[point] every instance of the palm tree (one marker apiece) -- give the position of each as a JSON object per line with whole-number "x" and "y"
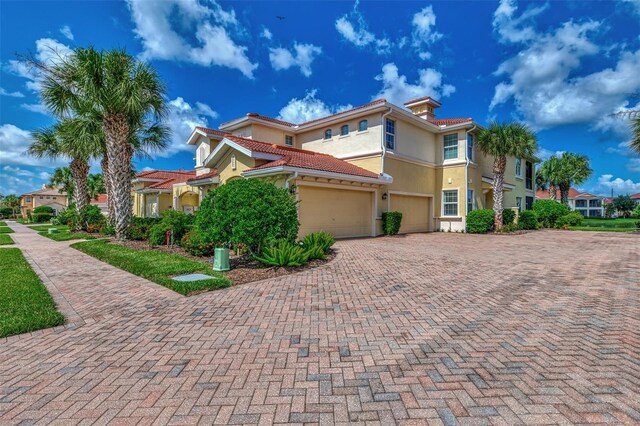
{"x": 574, "y": 170}
{"x": 96, "y": 185}
{"x": 635, "y": 127}
{"x": 502, "y": 140}
{"x": 125, "y": 96}
{"x": 63, "y": 180}
{"x": 12, "y": 201}
{"x": 548, "y": 176}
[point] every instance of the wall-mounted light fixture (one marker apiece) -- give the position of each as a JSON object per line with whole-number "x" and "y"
{"x": 384, "y": 195}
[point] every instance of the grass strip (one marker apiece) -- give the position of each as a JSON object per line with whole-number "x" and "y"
{"x": 47, "y": 227}
{"x": 3, "y": 223}
{"x": 6, "y": 239}
{"x": 156, "y": 266}
{"x": 66, "y": 236}
{"x": 601, "y": 229}
{"x": 25, "y": 304}
{"x": 6, "y": 230}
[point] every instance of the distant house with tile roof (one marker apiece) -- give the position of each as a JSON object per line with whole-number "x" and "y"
{"x": 348, "y": 168}
{"x": 46, "y": 196}
{"x": 589, "y": 205}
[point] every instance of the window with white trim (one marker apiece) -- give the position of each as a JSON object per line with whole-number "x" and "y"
{"x": 450, "y": 146}
{"x": 450, "y": 202}
{"x": 344, "y": 130}
{"x": 469, "y": 200}
{"x": 233, "y": 161}
{"x": 519, "y": 167}
{"x": 470, "y": 146}
{"x": 288, "y": 140}
{"x": 327, "y": 134}
{"x": 390, "y": 134}
{"x": 363, "y": 125}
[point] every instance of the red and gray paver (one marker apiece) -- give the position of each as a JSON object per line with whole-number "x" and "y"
{"x": 541, "y": 328}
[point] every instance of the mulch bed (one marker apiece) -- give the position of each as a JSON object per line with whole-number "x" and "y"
{"x": 243, "y": 268}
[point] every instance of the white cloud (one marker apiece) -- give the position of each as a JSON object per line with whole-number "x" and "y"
{"x": 11, "y": 94}
{"x": 543, "y": 79}
{"x": 635, "y": 4}
{"x": 49, "y": 52}
{"x": 266, "y": 34}
{"x": 302, "y": 57}
{"x": 353, "y": 28}
{"x": 424, "y": 33}
{"x": 606, "y": 183}
{"x": 17, "y": 171}
{"x": 308, "y": 108}
{"x": 66, "y": 31}
{"x": 634, "y": 165}
{"x": 545, "y": 154}
{"x": 212, "y": 26}
{"x": 182, "y": 119}
{"x": 397, "y": 90}
{"x": 14, "y": 143}
{"x": 39, "y": 108}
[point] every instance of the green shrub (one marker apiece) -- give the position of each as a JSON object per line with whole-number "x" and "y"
{"x": 91, "y": 219}
{"x": 391, "y": 222}
{"x": 196, "y": 244}
{"x": 549, "y": 211}
{"x": 510, "y": 227}
{"x": 108, "y": 230}
{"x": 67, "y": 216}
{"x": 322, "y": 239}
{"x": 41, "y": 217}
{"x": 528, "y": 219}
{"x": 636, "y": 211}
{"x": 6, "y": 211}
{"x": 248, "y": 214}
{"x": 43, "y": 209}
{"x": 284, "y": 253}
{"x": 508, "y": 216}
{"x": 480, "y": 221}
{"x": 172, "y": 220}
{"x": 570, "y": 219}
{"x": 140, "y": 226}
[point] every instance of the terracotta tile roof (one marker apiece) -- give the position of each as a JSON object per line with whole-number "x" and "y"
{"x": 449, "y": 121}
{"x": 635, "y": 196}
{"x": 166, "y": 178}
{"x": 46, "y": 191}
{"x": 273, "y": 120}
{"x": 376, "y": 102}
{"x": 212, "y": 131}
{"x": 573, "y": 193}
{"x": 424, "y": 98}
{"x": 208, "y": 175}
{"x": 300, "y": 158}
{"x": 100, "y": 199}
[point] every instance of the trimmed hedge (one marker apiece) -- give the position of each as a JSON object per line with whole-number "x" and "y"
{"x": 570, "y": 219}
{"x": 140, "y": 226}
{"x": 528, "y": 219}
{"x": 480, "y": 221}
{"x": 41, "y": 217}
{"x": 178, "y": 222}
{"x": 508, "y": 216}
{"x": 391, "y": 222}
{"x": 549, "y": 211}
{"x": 43, "y": 209}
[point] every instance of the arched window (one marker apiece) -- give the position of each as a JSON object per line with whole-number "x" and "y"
{"x": 344, "y": 130}
{"x": 327, "y": 134}
{"x": 363, "y": 125}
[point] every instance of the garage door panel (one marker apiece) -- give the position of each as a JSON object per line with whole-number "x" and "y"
{"x": 415, "y": 212}
{"x": 340, "y": 212}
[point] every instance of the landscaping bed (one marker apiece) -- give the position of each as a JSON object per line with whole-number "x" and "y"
{"x": 25, "y": 304}
{"x": 6, "y": 239}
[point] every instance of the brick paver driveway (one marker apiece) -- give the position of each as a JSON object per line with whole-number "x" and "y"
{"x": 542, "y": 328}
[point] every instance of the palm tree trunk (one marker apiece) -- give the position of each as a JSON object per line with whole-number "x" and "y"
{"x": 80, "y": 172}
{"x": 108, "y": 188}
{"x": 499, "y": 165}
{"x": 552, "y": 192}
{"x": 119, "y": 152}
{"x": 564, "y": 194}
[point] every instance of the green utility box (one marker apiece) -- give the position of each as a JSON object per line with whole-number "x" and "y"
{"x": 221, "y": 259}
{"x": 52, "y": 230}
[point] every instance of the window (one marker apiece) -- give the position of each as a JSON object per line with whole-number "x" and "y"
{"x": 48, "y": 197}
{"x": 28, "y": 200}
{"x": 202, "y": 156}
{"x": 584, "y": 213}
{"x": 470, "y": 147}
{"x": 344, "y": 130}
{"x": 450, "y": 202}
{"x": 233, "y": 161}
{"x": 519, "y": 203}
{"x": 363, "y": 125}
{"x": 451, "y": 146}
{"x": 41, "y": 197}
{"x": 288, "y": 140}
{"x": 581, "y": 203}
{"x": 595, "y": 213}
{"x": 327, "y": 134}
{"x": 528, "y": 203}
{"x": 390, "y": 134}
{"x": 528, "y": 167}
{"x": 469, "y": 200}
{"x": 595, "y": 203}
{"x": 518, "y": 167}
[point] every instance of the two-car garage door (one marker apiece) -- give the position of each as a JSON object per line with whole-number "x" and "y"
{"x": 415, "y": 212}
{"x": 340, "y": 212}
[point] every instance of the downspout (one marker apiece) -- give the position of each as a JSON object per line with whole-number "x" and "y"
{"x": 466, "y": 171}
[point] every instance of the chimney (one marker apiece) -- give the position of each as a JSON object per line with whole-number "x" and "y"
{"x": 424, "y": 107}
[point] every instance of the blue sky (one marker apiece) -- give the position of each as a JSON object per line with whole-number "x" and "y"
{"x": 561, "y": 67}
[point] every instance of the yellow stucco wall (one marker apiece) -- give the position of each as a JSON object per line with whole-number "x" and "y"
{"x": 372, "y": 164}
{"x": 414, "y": 142}
{"x": 225, "y": 168}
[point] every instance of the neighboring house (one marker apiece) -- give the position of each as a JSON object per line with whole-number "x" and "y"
{"x": 636, "y": 197}
{"x": 587, "y": 204}
{"x": 348, "y": 168}
{"x": 155, "y": 191}
{"x": 101, "y": 202}
{"x": 51, "y": 197}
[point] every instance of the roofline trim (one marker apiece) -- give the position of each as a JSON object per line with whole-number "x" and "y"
{"x": 380, "y": 180}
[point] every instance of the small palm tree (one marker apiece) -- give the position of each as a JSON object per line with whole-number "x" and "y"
{"x": 96, "y": 185}
{"x": 548, "y": 176}
{"x": 502, "y": 140}
{"x": 63, "y": 180}
{"x": 123, "y": 94}
{"x": 574, "y": 170}
{"x": 12, "y": 201}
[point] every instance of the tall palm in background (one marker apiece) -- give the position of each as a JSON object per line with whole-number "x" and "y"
{"x": 122, "y": 94}
{"x": 548, "y": 176}
{"x": 63, "y": 180}
{"x": 502, "y": 140}
{"x": 635, "y": 127}
{"x": 96, "y": 185}
{"x": 574, "y": 170}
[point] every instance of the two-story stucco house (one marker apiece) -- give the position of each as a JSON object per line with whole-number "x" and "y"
{"x": 587, "y": 204}
{"x": 348, "y": 168}
{"x": 46, "y": 196}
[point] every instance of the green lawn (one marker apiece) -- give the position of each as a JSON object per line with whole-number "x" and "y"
{"x": 22, "y": 221}
{"x": 66, "y": 235}
{"x": 5, "y": 239}
{"x": 601, "y": 229}
{"x": 25, "y": 304}
{"x": 609, "y": 223}
{"x": 3, "y": 223}
{"x": 6, "y": 230}
{"x": 156, "y": 266}
{"x": 47, "y": 227}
